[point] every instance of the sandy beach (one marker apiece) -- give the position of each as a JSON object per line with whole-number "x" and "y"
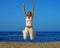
{"x": 29, "y": 45}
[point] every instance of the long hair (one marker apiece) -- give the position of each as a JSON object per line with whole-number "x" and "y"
{"x": 30, "y": 13}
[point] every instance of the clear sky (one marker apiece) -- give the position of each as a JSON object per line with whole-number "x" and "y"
{"x": 46, "y": 15}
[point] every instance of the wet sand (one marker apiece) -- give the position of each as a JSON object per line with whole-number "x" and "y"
{"x": 29, "y": 45}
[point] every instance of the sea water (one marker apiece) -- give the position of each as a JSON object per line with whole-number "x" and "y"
{"x": 15, "y": 36}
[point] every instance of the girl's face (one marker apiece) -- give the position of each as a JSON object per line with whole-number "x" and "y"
{"x": 29, "y": 14}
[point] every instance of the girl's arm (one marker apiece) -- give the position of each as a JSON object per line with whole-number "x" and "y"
{"x": 32, "y": 9}
{"x": 23, "y": 9}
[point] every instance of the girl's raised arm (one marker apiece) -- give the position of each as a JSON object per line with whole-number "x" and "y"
{"x": 23, "y": 9}
{"x": 32, "y": 9}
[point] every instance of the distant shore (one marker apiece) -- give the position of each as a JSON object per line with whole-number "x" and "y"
{"x": 29, "y": 45}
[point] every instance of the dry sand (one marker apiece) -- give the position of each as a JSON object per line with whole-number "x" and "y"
{"x": 29, "y": 45}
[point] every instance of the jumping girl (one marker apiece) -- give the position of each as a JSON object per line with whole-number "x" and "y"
{"x": 28, "y": 27}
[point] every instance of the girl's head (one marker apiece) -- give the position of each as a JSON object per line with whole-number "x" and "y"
{"x": 29, "y": 14}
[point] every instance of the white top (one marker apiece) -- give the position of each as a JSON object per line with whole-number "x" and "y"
{"x": 28, "y": 21}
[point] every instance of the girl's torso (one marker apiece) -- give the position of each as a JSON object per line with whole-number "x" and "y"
{"x": 29, "y": 22}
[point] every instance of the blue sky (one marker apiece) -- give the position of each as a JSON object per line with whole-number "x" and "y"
{"x": 46, "y": 15}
